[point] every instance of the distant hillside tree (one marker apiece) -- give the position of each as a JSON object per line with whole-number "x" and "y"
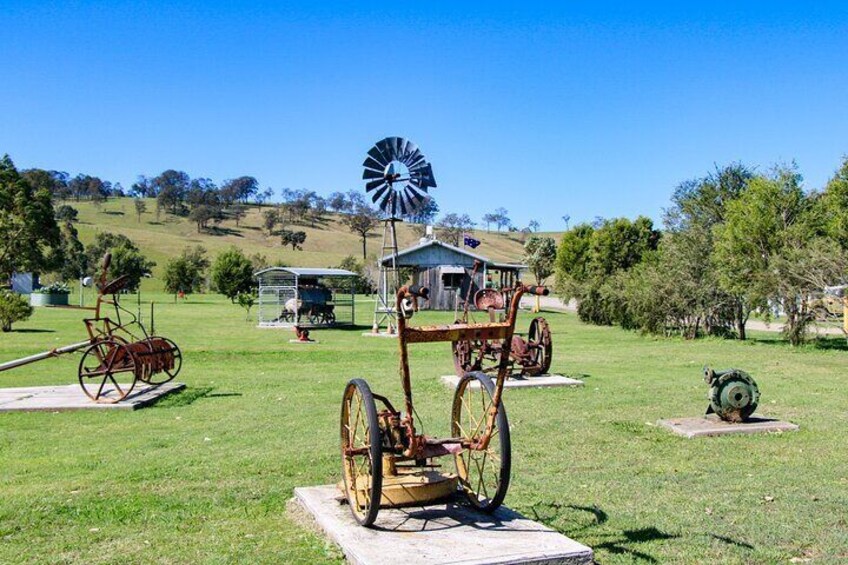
{"x": 294, "y": 238}
{"x": 452, "y": 226}
{"x": 65, "y": 213}
{"x": 172, "y": 189}
{"x": 55, "y": 182}
{"x": 362, "y": 222}
{"x": 140, "y": 208}
{"x": 240, "y": 189}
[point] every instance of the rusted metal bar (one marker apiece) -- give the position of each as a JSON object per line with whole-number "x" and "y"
{"x": 45, "y": 355}
{"x": 457, "y": 332}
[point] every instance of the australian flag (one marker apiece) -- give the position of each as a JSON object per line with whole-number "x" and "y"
{"x": 470, "y": 241}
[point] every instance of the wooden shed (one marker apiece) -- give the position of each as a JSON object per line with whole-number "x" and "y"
{"x": 446, "y": 271}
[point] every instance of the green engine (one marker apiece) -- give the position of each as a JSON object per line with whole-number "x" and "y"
{"x": 733, "y": 394}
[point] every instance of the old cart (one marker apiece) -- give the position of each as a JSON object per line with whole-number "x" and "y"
{"x": 532, "y": 355}
{"x": 387, "y": 462}
{"x": 119, "y": 352}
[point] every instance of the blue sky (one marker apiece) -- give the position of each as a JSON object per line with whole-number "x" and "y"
{"x": 580, "y": 108}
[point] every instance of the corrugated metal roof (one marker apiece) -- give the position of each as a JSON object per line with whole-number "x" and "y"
{"x": 433, "y": 242}
{"x": 308, "y": 272}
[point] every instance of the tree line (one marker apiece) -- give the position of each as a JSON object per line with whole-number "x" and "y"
{"x": 735, "y": 242}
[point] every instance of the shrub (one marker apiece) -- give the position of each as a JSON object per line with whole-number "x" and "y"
{"x": 53, "y": 288}
{"x": 13, "y": 308}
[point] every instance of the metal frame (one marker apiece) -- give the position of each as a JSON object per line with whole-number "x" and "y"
{"x": 285, "y": 286}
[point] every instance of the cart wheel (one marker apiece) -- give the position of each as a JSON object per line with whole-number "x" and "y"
{"x": 362, "y": 460}
{"x": 462, "y": 357}
{"x": 541, "y": 347}
{"x": 483, "y": 474}
{"x": 107, "y": 371}
{"x": 166, "y": 375}
{"x": 330, "y": 318}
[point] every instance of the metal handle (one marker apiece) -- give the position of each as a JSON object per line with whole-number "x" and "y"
{"x": 537, "y": 290}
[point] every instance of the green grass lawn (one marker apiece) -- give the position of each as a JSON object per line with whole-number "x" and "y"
{"x": 204, "y": 476}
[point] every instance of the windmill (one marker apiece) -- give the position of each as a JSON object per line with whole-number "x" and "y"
{"x": 398, "y": 178}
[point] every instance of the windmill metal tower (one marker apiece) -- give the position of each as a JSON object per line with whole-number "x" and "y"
{"x": 398, "y": 178}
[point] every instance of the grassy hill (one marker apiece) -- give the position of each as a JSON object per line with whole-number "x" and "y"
{"x": 326, "y": 244}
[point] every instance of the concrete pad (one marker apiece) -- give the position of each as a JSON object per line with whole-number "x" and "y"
{"x": 381, "y": 334}
{"x": 71, "y": 397}
{"x": 311, "y": 342}
{"x": 712, "y": 425}
{"x": 439, "y": 533}
{"x": 517, "y": 381}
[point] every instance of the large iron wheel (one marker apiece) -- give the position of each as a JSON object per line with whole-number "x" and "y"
{"x": 483, "y": 473}
{"x": 540, "y": 344}
{"x": 166, "y": 375}
{"x": 108, "y": 371}
{"x": 362, "y": 461}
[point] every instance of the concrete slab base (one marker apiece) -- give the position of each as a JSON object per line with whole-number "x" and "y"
{"x": 372, "y": 334}
{"x": 439, "y": 533}
{"x": 71, "y": 397}
{"x": 714, "y": 426}
{"x": 313, "y": 342}
{"x": 517, "y": 381}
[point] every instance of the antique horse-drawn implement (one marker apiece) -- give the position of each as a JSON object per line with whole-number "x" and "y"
{"x": 117, "y": 353}
{"x": 386, "y": 461}
{"x": 531, "y": 355}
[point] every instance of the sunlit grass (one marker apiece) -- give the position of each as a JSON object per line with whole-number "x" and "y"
{"x": 204, "y": 476}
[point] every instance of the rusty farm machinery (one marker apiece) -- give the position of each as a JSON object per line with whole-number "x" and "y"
{"x": 386, "y": 461}
{"x": 119, "y": 352}
{"x": 531, "y": 355}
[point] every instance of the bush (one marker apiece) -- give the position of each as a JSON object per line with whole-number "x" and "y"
{"x": 53, "y": 288}
{"x": 13, "y": 308}
{"x": 232, "y": 273}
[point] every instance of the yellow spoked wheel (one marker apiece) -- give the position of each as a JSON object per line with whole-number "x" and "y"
{"x": 483, "y": 473}
{"x": 362, "y": 462}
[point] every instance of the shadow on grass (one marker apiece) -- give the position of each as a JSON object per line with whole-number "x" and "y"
{"x": 833, "y": 343}
{"x": 188, "y": 396}
{"x": 33, "y": 331}
{"x": 617, "y": 543}
{"x": 219, "y": 231}
{"x": 113, "y": 212}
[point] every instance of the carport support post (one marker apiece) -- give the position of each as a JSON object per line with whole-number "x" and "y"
{"x": 845, "y": 313}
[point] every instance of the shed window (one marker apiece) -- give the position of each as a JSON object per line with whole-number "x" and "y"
{"x": 452, "y": 280}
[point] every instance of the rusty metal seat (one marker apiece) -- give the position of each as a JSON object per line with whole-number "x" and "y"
{"x": 486, "y": 298}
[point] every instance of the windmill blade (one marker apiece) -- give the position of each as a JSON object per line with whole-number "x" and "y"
{"x": 389, "y": 147}
{"x": 370, "y": 163}
{"x": 397, "y": 146}
{"x": 374, "y": 184}
{"x": 381, "y": 194}
{"x": 414, "y": 160}
{"x": 409, "y": 149}
{"x": 372, "y": 174}
{"x": 414, "y": 199}
{"x": 378, "y": 156}
{"x": 419, "y": 194}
